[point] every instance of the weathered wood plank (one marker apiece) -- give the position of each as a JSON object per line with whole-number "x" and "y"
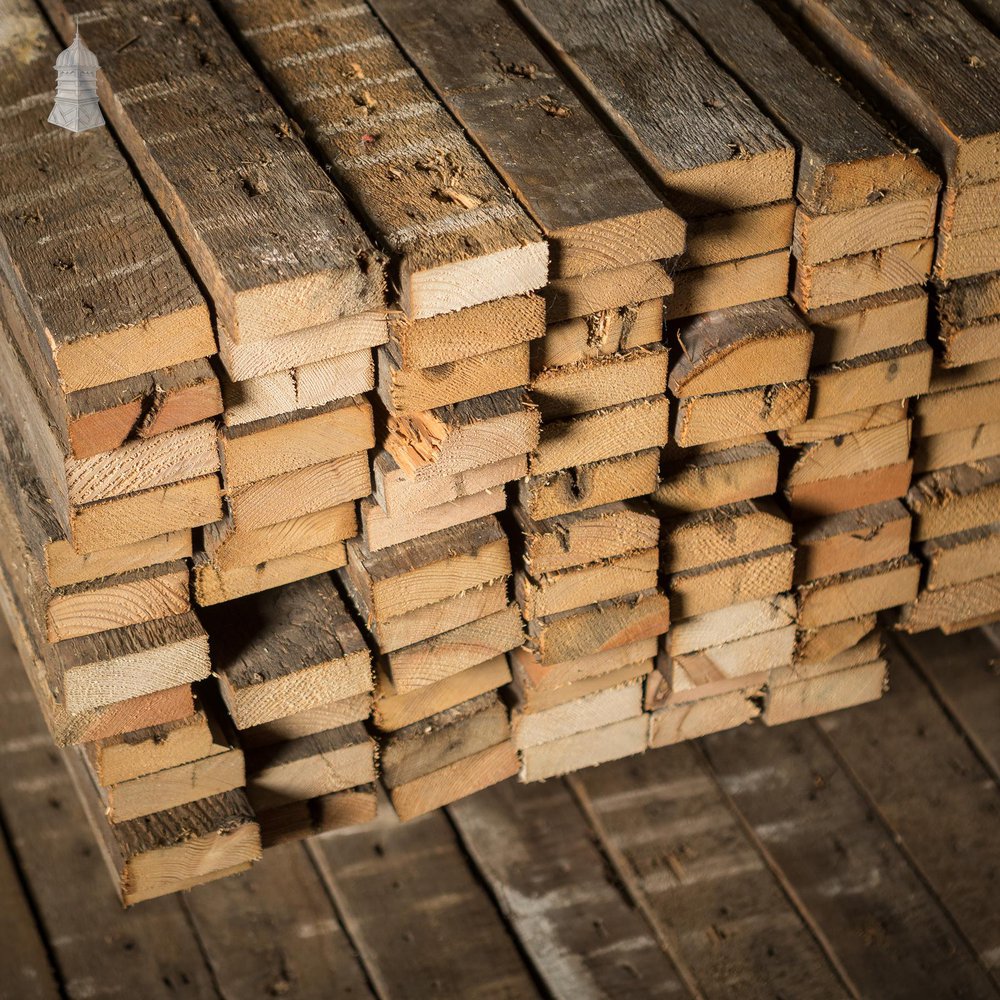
{"x": 935, "y": 796}
{"x": 105, "y": 294}
{"x": 573, "y": 919}
{"x": 229, "y": 200}
{"x": 691, "y": 122}
{"x": 458, "y": 236}
{"x": 595, "y": 208}
{"x": 418, "y": 915}
{"x": 673, "y": 841}
{"x": 888, "y": 935}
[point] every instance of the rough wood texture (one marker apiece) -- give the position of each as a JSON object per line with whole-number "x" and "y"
{"x": 540, "y": 685}
{"x": 735, "y": 621}
{"x": 585, "y": 537}
{"x": 732, "y": 283}
{"x": 626, "y": 738}
{"x": 850, "y": 453}
{"x": 730, "y": 532}
{"x": 447, "y": 653}
{"x": 732, "y": 236}
{"x": 457, "y": 234}
{"x": 261, "y": 274}
{"x": 692, "y": 123}
{"x": 955, "y": 499}
{"x": 852, "y": 539}
{"x": 591, "y": 485}
{"x": 953, "y": 606}
{"x": 468, "y": 333}
{"x": 98, "y": 309}
{"x": 717, "y": 479}
{"x": 602, "y": 333}
{"x": 454, "y": 781}
{"x": 850, "y": 329}
{"x": 824, "y": 497}
{"x": 962, "y": 557}
{"x": 762, "y": 343}
{"x": 596, "y": 383}
{"x": 593, "y": 206}
{"x": 572, "y": 298}
{"x": 726, "y": 416}
{"x": 858, "y": 592}
{"x": 918, "y": 58}
{"x": 602, "y": 708}
{"x": 429, "y": 568}
{"x": 848, "y": 160}
{"x": 282, "y": 652}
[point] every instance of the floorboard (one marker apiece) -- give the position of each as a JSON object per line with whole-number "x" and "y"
{"x": 272, "y": 932}
{"x": 933, "y": 792}
{"x": 884, "y": 928}
{"x": 963, "y": 671}
{"x": 701, "y": 881}
{"x": 537, "y": 852}
{"x": 25, "y": 970}
{"x": 421, "y": 920}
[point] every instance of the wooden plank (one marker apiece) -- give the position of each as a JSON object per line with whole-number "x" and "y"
{"x": 837, "y": 424}
{"x": 81, "y": 917}
{"x": 475, "y": 330}
{"x": 952, "y": 607}
{"x": 882, "y": 322}
{"x": 761, "y": 343}
{"x": 843, "y": 871}
{"x": 458, "y": 235}
{"x": 964, "y": 556}
{"x": 602, "y": 434}
{"x": 732, "y": 581}
{"x": 533, "y": 678}
{"x": 536, "y": 851}
{"x": 591, "y": 485}
{"x": 450, "y": 652}
{"x": 265, "y": 278}
{"x": 401, "y": 891}
{"x": 289, "y": 942}
{"x": 862, "y": 275}
{"x": 577, "y": 715}
{"x": 407, "y": 389}
{"x": 585, "y": 537}
{"x": 871, "y": 380}
{"x": 858, "y": 592}
{"x": 538, "y": 135}
{"x": 730, "y": 532}
{"x": 854, "y": 538}
{"x": 730, "y": 236}
{"x": 845, "y": 153}
{"x": 716, "y": 479}
{"x": 671, "y": 838}
{"x": 584, "y": 750}
{"x": 290, "y": 650}
{"x": 454, "y": 781}
{"x": 958, "y": 113}
{"x": 25, "y": 964}
{"x": 90, "y": 322}
{"x": 954, "y": 409}
{"x": 954, "y": 499}
{"x": 602, "y": 333}
{"x": 735, "y": 621}
{"x": 596, "y": 383}
{"x": 649, "y": 76}
{"x": 826, "y": 497}
{"x": 850, "y": 454}
{"x": 726, "y": 416}
{"x": 959, "y": 670}
{"x": 430, "y": 568}
{"x": 925, "y": 783}
{"x": 571, "y": 298}
{"x": 732, "y": 283}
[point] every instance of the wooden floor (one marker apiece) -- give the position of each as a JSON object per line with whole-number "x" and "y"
{"x": 857, "y": 855}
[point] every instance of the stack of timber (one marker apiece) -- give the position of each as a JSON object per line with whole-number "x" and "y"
{"x": 586, "y": 576}
{"x": 430, "y": 574}
{"x": 938, "y": 67}
{"x": 295, "y": 286}
{"x": 864, "y": 224}
{"x": 108, "y": 460}
{"x": 295, "y": 676}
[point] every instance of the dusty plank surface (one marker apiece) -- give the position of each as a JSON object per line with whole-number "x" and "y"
{"x": 417, "y": 914}
{"x": 698, "y": 130}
